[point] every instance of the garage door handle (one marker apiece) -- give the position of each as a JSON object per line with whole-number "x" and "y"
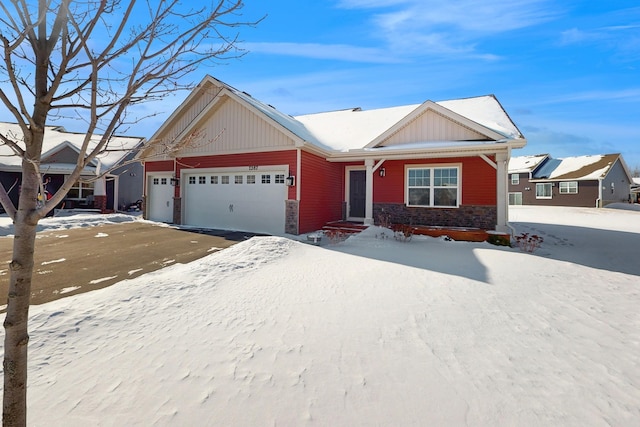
{"x": 231, "y": 207}
{"x": 167, "y": 203}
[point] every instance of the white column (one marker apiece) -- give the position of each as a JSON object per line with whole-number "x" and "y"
{"x": 100, "y": 187}
{"x": 503, "y": 198}
{"x": 368, "y": 207}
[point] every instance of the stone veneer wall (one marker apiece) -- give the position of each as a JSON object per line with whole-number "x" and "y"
{"x": 177, "y": 210}
{"x": 482, "y": 217}
{"x": 292, "y": 208}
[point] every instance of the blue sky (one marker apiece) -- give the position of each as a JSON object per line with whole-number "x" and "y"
{"x": 567, "y": 72}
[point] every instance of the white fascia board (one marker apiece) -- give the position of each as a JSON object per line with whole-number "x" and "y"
{"x": 416, "y": 154}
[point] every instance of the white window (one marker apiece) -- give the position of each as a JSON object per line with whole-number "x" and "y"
{"x": 280, "y": 179}
{"x": 266, "y": 179}
{"x": 192, "y": 180}
{"x": 543, "y": 190}
{"x": 515, "y": 178}
{"x": 225, "y": 179}
{"x": 515, "y": 198}
{"x": 433, "y": 186}
{"x": 238, "y": 179}
{"x": 80, "y": 190}
{"x": 163, "y": 181}
{"x": 570, "y": 187}
{"x": 202, "y": 180}
{"x": 251, "y": 179}
{"x": 214, "y": 179}
{"x": 156, "y": 181}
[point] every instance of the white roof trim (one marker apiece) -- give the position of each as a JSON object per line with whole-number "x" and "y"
{"x": 430, "y": 105}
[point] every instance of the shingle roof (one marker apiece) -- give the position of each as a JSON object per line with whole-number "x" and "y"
{"x": 57, "y": 137}
{"x": 577, "y": 168}
{"x": 522, "y": 164}
{"x": 354, "y": 128}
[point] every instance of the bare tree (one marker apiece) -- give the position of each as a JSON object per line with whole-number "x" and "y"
{"x": 89, "y": 60}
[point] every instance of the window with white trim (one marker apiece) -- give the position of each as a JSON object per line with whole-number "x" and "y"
{"x": 202, "y": 180}
{"x": 238, "y": 179}
{"x": 266, "y": 179}
{"x": 156, "y": 181}
{"x": 251, "y": 179}
{"x": 569, "y": 187}
{"x": 543, "y": 190}
{"x": 192, "y": 180}
{"x": 214, "y": 179}
{"x": 515, "y": 178}
{"x": 163, "y": 181}
{"x": 225, "y": 179}
{"x": 80, "y": 190}
{"x": 279, "y": 178}
{"x": 433, "y": 186}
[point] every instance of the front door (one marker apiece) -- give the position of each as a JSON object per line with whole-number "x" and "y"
{"x": 357, "y": 193}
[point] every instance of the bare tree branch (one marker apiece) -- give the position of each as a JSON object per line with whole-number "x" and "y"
{"x": 90, "y": 61}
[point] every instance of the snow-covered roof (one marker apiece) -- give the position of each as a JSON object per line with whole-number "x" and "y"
{"x": 522, "y": 164}
{"x": 57, "y": 138}
{"x": 355, "y": 128}
{"x": 578, "y": 168}
{"x": 486, "y": 111}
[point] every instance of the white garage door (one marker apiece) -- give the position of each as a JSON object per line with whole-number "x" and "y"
{"x": 236, "y": 200}
{"x": 160, "y": 198}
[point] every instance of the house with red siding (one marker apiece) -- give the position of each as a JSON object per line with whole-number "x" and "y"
{"x": 226, "y": 160}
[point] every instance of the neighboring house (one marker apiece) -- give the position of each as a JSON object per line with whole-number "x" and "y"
{"x": 587, "y": 181}
{"x": 225, "y": 160}
{"x": 635, "y": 190}
{"x": 521, "y": 170}
{"x": 119, "y": 183}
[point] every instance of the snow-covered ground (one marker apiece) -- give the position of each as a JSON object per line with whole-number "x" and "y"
{"x": 371, "y": 331}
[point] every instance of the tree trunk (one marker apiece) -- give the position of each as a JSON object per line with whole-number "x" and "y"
{"x": 16, "y": 321}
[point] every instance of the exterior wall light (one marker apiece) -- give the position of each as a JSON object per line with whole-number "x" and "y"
{"x": 175, "y": 182}
{"x": 382, "y": 172}
{"x": 290, "y": 181}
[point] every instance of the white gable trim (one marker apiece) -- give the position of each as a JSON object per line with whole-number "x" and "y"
{"x": 430, "y": 105}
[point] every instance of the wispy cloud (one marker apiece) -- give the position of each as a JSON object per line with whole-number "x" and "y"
{"x": 575, "y": 35}
{"x": 340, "y": 52}
{"x": 449, "y": 28}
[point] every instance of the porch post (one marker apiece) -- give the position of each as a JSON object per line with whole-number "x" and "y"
{"x": 501, "y": 186}
{"x": 100, "y": 194}
{"x": 368, "y": 205}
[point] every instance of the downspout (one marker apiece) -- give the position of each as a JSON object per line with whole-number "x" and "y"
{"x": 298, "y": 172}
{"x": 599, "y": 199}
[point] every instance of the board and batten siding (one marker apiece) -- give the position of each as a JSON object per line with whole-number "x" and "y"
{"x": 432, "y": 126}
{"x": 321, "y": 192}
{"x": 233, "y": 128}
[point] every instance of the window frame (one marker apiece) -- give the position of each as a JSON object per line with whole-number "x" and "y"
{"x": 550, "y": 185}
{"x": 515, "y": 181}
{"x": 82, "y": 190}
{"x": 567, "y": 187}
{"x": 432, "y": 187}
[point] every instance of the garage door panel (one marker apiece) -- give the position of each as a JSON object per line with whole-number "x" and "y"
{"x": 238, "y": 204}
{"x": 160, "y": 198}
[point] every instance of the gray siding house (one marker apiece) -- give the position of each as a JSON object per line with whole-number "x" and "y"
{"x": 587, "y": 181}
